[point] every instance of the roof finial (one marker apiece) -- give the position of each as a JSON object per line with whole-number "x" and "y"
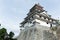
{"x": 38, "y": 3}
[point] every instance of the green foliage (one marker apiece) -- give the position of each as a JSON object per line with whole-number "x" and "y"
{"x": 54, "y": 28}
{"x": 11, "y": 34}
{"x": 2, "y": 33}
{"x": 5, "y": 36}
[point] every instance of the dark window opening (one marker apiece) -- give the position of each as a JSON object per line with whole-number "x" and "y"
{"x": 47, "y": 22}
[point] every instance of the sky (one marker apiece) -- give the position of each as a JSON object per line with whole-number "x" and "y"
{"x": 13, "y": 12}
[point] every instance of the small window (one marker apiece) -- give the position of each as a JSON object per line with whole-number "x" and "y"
{"x": 32, "y": 16}
{"x": 40, "y": 16}
{"x": 44, "y": 18}
{"x": 47, "y": 22}
{"x": 34, "y": 22}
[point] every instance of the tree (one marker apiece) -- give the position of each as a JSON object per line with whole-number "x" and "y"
{"x": 2, "y": 33}
{"x": 5, "y": 36}
{"x": 11, "y": 34}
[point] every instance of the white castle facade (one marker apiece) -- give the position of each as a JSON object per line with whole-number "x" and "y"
{"x": 38, "y": 25}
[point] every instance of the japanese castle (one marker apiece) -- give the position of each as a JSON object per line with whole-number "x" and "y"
{"x": 38, "y": 25}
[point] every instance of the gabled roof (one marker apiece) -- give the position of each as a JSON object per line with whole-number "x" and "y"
{"x": 36, "y": 6}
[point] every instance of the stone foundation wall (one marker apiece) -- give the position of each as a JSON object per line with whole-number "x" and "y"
{"x": 37, "y": 33}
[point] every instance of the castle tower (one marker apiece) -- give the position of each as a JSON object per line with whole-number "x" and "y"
{"x": 39, "y": 15}
{"x": 37, "y": 25}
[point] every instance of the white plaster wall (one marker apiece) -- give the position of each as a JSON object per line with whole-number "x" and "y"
{"x": 42, "y": 23}
{"x": 39, "y": 21}
{"x": 28, "y": 24}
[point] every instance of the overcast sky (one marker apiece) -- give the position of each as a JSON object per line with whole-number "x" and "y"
{"x": 12, "y": 12}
